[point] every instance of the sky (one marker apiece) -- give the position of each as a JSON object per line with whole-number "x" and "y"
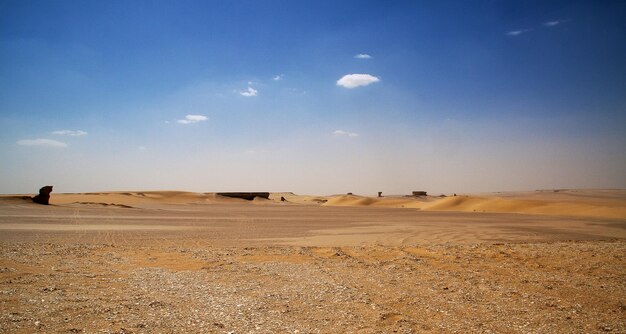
{"x": 314, "y": 97}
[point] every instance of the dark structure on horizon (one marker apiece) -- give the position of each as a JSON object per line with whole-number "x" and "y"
{"x": 246, "y": 196}
{"x": 44, "y": 195}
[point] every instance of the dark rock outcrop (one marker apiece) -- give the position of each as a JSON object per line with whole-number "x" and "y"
{"x": 44, "y": 195}
{"x": 419, "y": 193}
{"x": 246, "y": 196}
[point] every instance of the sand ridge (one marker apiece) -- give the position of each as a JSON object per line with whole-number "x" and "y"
{"x": 583, "y": 203}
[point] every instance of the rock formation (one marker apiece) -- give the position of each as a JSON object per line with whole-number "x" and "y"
{"x": 246, "y": 196}
{"x": 44, "y": 195}
{"x": 419, "y": 193}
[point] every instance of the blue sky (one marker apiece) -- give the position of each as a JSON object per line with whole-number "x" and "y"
{"x": 459, "y": 96}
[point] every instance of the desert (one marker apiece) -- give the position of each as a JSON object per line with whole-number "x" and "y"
{"x": 230, "y": 167}
{"x": 173, "y": 262}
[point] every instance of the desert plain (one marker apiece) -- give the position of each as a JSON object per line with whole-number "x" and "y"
{"x": 549, "y": 261}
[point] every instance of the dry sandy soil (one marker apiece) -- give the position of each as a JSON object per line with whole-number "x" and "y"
{"x": 178, "y": 262}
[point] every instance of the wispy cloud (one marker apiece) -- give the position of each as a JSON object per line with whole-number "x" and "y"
{"x": 249, "y": 92}
{"x": 72, "y": 133}
{"x": 518, "y": 32}
{"x": 555, "y": 23}
{"x": 190, "y": 119}
{"x": 363, "y": 56}
{"x": 278, "y": 77}
{"x": 345, "y": 133}
{"x": 356, "y": 80}
{"x": 42, "y": 143}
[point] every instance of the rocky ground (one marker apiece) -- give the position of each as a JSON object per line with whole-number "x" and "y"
{"x": 549, "y": 287}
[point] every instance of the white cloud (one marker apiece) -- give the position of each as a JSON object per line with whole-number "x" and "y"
{"x": 189, "y": 119}
{"x": 554, "y": 23}
{"x": 518, "y": 32}
{"x": 356, "y": 80}
{"x": 249, "y": 92}
{"x": 278, "y": 77}
{"x": 41, "y": 142}
{"x": 363, "y": 56}
{"x": 345, "y": 133}
{"x": 73, "y": 133}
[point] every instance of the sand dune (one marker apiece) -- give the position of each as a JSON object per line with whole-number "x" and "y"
{"x": 583, "y": 203}
{"x": 145, "y": 198}
{"x": 387, "y": 202}
{"x": 566, "y": 207}
{"x": 342, "y": 220}
{"x": 579, "y": 203}
{"x": 298, "y": 199}
{"x": 133, "y": 199}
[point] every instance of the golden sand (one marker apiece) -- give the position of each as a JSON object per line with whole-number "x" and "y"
{"x": 168, "y": 261}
